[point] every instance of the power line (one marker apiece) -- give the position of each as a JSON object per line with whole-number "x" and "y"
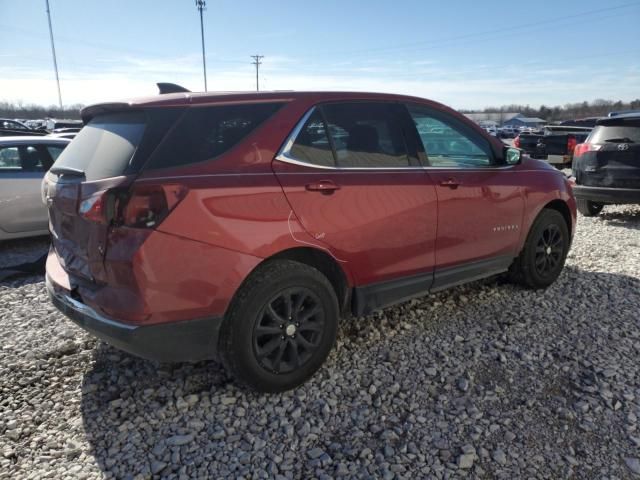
{"x": 201, "y": 5}
{"x": 257, "y": 63}
{"x": 53, "y": 51}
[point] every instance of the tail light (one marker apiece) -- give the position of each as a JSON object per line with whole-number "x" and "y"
{"x": 516, "y": 142}
{"x": 571, "y": 144}
{"x": 145, "y": 206}
{"x": 583, "y": 148}
{"x": 148, "y": 205}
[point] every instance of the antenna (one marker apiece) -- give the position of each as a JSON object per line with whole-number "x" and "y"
{"x": 53, "y": 51}
{"x": 257, "y": 63}
{"x": 201, "y": 5}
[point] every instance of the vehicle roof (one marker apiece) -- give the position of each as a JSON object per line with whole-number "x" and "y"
{"x": 31, "y": 139}
{"x": 619, "y": 119}
{"x": 203, "y": 98}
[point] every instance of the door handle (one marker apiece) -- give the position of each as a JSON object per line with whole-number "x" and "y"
{"x": 450, "y": 182}
{"x": 326, "y": 187}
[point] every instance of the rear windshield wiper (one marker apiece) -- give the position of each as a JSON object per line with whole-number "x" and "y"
{"x": 72, "y": 172}
{"x": 619, "y": 140}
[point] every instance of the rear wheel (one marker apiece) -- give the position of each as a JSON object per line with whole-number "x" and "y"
{"x": 281, "y": 326}
{"x": 544, "y": 253}
{"x": 589, "y": 208}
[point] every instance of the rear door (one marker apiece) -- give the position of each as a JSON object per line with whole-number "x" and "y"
{"x": 617, "y": 160}
{"x": 480, "y": 203}
{"x": 353, "y": 179}
{"x": 21, "y": 170}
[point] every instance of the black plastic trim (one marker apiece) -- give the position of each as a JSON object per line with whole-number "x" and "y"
{"x": 607, "y": 194}
{"x": 185, "y": 341}
{"x": 369, "y": 298}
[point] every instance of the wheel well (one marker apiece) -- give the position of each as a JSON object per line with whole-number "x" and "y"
{"x": 324, "y": 263}
{"x": 562, "y": 208}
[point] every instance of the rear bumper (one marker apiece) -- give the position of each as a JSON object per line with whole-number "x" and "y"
{"x": 607, "y": 194}
{"x": 184, "y": 341}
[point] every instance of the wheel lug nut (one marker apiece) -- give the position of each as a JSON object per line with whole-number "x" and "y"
{"x": 281, "y": 326}
{"x": 297, "y": 324}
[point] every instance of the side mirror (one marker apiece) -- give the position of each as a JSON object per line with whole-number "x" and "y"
{"x": 512, "y": 156}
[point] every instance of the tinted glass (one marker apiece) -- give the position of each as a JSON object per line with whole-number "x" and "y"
{"x": 207, "y": 132}
{"x": 615, "y": 134}
{"x": 447, "y": 142}
{"x": 366, "y": 135}
{"x": 312, "y": 143}
{"x": 54, "y": 151}
{"x": 10, "y": 159}
{"x": 105, "y": 146}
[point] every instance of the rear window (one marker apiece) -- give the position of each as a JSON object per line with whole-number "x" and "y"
{"x": 615, "y": 134}
{"x": 204, "y": 133}
{"x": 105, "y": 146}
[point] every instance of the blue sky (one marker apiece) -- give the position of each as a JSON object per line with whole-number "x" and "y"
{"x": 468, "y": 54}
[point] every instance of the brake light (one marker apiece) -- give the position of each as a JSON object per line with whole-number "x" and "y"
{"x": 583, "y": 148}
{"x": 516, "y": 142}
{"x": 94, "y": 207}
{"x": 148, "y": 205}
{"x": 571, "y": 144}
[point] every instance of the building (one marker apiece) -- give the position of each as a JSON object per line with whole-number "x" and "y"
{"x": 531, "y": 122}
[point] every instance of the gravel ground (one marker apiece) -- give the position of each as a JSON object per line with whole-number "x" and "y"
{"x": 483, "y": 381}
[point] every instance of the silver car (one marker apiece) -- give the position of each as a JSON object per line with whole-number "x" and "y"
{"x": 23, "y": 162}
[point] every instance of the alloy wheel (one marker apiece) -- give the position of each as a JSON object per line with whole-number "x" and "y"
{"x": 549, "y": 250}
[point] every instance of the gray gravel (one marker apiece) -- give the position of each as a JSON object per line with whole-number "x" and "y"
{"x": 483, "y": 381}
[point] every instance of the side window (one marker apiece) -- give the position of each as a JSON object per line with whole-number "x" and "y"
{"x": 32, "y": 159}
{"x": 207, "y": 132}
{"x": 449, "y": 143}
{"x": 312, "y": 143}
{"x": 366, "y": 135}
{"x": 54, "y": 151}
{"x": 9, "y": 159}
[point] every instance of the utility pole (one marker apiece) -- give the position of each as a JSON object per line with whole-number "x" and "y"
{"x": 257, "y": 63}
{"x": 201, "y": 5}
{"x": 53, "y": 51}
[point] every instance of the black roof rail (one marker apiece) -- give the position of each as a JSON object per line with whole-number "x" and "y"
{"x": 170, "y": 88}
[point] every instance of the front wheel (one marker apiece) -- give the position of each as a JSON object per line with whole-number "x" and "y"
{"x": 589, "y": 208}
{"x": 281, "y": 326}
{"x": 544, "y": 253}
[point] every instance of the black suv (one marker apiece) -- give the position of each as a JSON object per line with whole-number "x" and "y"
{"x": 607, "y": 165}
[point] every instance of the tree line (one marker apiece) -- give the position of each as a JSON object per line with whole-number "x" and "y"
{"x": 569, "y": 111}
{"x": 34, "y": 112}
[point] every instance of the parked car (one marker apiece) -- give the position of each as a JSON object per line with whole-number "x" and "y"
{"x": 12, "y": 128}
{"x": 23, "y": 162}
{"x": 508, "y": 131}
{"x": 555, "y": 143}
{"x": 607, "y": 165}
{"x": 245, "y": 225}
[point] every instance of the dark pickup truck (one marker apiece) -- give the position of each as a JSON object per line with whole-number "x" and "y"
{"x": 554, "y": 143}
{"x": 607, "y": 165}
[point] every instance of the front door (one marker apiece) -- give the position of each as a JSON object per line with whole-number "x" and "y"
{"x": 480, "y": 204}
{"x": 355, "y": 184}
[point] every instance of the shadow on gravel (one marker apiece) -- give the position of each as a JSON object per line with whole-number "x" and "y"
{"x": 628, "y": 218}
{"x": 133, "y": 409}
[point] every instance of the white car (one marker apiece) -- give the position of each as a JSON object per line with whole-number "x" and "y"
{"x": 23, "y": 163}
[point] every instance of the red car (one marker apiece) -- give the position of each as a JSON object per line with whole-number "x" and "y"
{"x": 243, "y": 226}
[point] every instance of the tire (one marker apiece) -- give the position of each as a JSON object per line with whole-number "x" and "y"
{"x": 544, "y": 253}
{"x": 269, "y": 343}
{"x": 589, "y": 208}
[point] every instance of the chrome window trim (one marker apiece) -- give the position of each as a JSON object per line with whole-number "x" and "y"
{"x": 284, "y": 155}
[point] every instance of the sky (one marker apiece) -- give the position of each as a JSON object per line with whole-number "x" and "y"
{"x": 467, "y": 54}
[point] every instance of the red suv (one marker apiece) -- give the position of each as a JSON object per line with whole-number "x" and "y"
{"x": 243, "y": 226}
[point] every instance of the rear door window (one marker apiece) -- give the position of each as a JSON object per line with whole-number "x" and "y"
{"x": 25, "y": 158}
{"x": 312, "y": 143}
{"x": 366, "y": 135}
{"x": 204, "y": 133}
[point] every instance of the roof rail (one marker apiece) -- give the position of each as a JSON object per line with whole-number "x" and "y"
{"x": 170, "y": 88}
